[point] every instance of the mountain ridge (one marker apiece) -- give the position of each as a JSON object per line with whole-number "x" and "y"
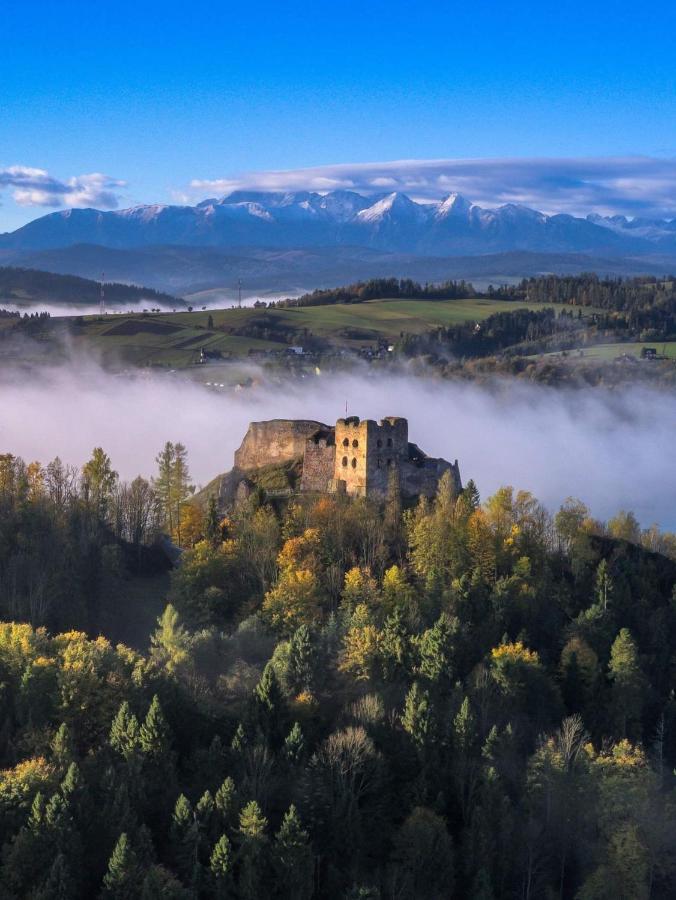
{"x": 391, "y": 222}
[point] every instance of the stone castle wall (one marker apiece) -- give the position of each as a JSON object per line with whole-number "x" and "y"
{"x": 274, "y": 442}
{"x": 366, "y": 451}
{"x": 360, "y": 458}
{"x": 318, "y": 465}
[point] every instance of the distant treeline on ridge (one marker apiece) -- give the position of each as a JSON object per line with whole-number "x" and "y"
{"x": 587, "y": 289}
{"x": 33, "y": 285}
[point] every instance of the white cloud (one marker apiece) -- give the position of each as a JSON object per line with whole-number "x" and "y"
{"x": 631, "y": 185}
{"x": 36, "y": 187}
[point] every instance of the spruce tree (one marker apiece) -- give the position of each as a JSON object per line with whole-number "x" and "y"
{"x": 302, "y": 661}
{"x": 294, "y": 745}
{"x": 269, "y": 706}
{"x": 158, "y": 765}
{"x": 293, "y": 859}
{"x": 121, "y": 880}
{"x": 124, "y": 737}
{"x": 155, "y": 735}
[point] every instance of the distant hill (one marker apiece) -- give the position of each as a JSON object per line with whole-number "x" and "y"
{"x": 22, "y": 285}
{"x": 187, "y": 270}
{"x": 388, "y": 222}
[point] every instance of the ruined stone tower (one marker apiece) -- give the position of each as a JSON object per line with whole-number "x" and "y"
{"x": 361, "y": 458}
{"x": 367, "y": 452}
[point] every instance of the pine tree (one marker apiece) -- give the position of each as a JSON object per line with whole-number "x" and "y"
{"x": 465, "y": 765}
{"x": 293, "y": 858}
{"x": 73, "y": 788}
{"x": 220, "y": 867}
{"x": 212, "y": 525}
{"x": 239, "y": 739}
{"x": 225, "y": 803}
{"x": 124, "y": 735}
{"x": 628, "y": 684}
{"x": 62, "y": 747}
{"x": 155, "y": 736}
{"x": 417, "y": 718}
{"x": 121, "y": 880}
{"x": 252, "y": 828}
{"x": 604, "y": 585}
{"x": 60, "y": 884}
{"x": 435, "y": 650}
{"x": 269, "y": 706}
{"x": 184, "y": 836}
{"x": 394, "y": 648}
{"x": 294, "y": 745}
{"x": 160, "y": 884}
{"x": 181, "y": 487}
{"x": 472, "y": 493}
{"x": 158, "y": 765}
{"x": 98, "y": 483}
{"x": 302, "y": 661}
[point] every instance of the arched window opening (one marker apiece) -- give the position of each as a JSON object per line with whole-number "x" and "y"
{"x": 345, "y": 460}
{"x": 389, "y": 463}
{"x": 346, "y": 442}
{"x": 379, "y": 443}
{"x": 355, "y": 443}
{"x": 354, "y": 463}
{"x": 389, "y": 442}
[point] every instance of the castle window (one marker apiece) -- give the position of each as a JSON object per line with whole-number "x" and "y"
{"x": 389, "y": 442}
{"x": 346, "y": 442}
{"x": 355, "y": 443}
{"x": 389, "y": 463}
{"x": 354, "y": 463}
{"x": 345, "y": 460}
{"x": 379, "y": 442}
{"x": 379, "y": 462}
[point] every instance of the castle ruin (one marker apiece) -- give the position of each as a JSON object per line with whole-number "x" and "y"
{"x": 357, "y": 457}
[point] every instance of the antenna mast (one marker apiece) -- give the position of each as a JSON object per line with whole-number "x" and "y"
{"x": 102, "y": 302}
{"x": 239, "y": 293}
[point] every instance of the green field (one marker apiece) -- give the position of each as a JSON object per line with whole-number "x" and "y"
{"x": 612, "y": 351}
{"x": 175, "y": 339}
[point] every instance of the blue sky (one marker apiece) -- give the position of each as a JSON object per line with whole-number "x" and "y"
{"x": 162, "y": 95}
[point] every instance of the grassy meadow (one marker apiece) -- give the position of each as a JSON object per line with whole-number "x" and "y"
{"x": 175, "y": 339}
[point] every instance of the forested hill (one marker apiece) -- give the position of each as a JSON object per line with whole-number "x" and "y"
{"x": 34, "y": 286}
{"x": 586, "y": 289}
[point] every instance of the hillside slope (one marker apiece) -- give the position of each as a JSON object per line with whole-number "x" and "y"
{"x": 22, "y": 286}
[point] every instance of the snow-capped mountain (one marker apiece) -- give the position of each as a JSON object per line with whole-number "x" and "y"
{"x": 390, "y": 222}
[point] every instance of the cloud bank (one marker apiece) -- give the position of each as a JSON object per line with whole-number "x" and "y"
{"x": 634, "y": 185}
{"x": 613, "y": 451}
{"x": 36, "y": 187}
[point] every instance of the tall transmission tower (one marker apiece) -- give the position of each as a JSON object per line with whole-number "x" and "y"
{"x": 102, "y": 301}
{"x": 239, "y": 293}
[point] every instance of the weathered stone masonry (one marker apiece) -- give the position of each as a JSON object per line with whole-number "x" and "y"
{"x": 355, "y": 457}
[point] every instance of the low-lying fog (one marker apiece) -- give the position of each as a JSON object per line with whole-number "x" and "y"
{"x": 611, "y": 450}
{"x": 213, "y": 299}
